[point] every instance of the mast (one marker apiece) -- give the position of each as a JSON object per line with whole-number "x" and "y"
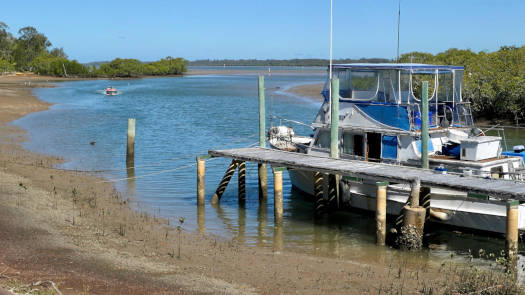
{"x": 330, "y": 69}
{"x": 398, "y": 26}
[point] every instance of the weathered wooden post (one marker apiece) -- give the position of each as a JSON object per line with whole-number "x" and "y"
{"x": 224, "y": 182}
{"x": 201, "y": 183}
{"x": 130, "y": 150}
{"x": 263, "y": 172}
{"x": 414, "y": 193}
{"x": 334, "y": 118}
{"x": 511, "y": 241}
{"x": 424, "y": 125}
{"x": 413, "y": 220}
{"x": 278, "y": 194}
{"x": 241, "y": 178}
{"x": 334, "y": 140}
{"x": 381, "y": 213}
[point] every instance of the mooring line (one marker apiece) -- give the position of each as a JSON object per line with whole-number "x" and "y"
{"x": 151, "y": 164}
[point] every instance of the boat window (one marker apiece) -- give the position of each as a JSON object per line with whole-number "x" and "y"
{"x": 359, "y": 141}
{"x": 358, "y": 84}
{"x": 445, "y": 86}
{"x": 458, "y": 79}
{"x": 323, "y": 139}
{"x": 388, "y": 86}
{"x": 348, "y": 143}
{"x": 353, "y": 144}
{"x": 405, "y": 86}
{"x": 418, "y": 78}
{"x": 345, "y": 83}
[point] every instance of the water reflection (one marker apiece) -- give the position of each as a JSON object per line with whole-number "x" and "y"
{"x": 241, "y": 221}
{"x": 227, "y": 221}
{"x": 130, "y": 174}
{"x": 278, "y": 237}
{"x": 262, "y": 212}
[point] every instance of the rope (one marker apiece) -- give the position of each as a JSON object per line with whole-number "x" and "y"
{"x": 152, "y": 164}
{"x": 292, "y": 121}
{"x": 162, "y": 171}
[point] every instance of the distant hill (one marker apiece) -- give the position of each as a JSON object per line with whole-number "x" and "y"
{"x": 281, "y": 62}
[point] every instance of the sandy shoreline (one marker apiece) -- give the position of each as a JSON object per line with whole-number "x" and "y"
{"x": 311, "y": 91}
{"x": 72, "y": 229}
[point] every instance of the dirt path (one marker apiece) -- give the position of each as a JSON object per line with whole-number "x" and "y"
{"x": 71, "y": 229}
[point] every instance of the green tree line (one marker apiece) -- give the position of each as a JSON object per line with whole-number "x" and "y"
{"x": 305, "y": 62}
{"x": 32, "y": 51}
{"x": 494, "y": 82}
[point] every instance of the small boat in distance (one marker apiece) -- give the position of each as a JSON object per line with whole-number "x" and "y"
{"x": 110, "y": 90}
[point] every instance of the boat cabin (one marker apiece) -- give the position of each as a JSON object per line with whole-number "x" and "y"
{"x": 380, "y": 118}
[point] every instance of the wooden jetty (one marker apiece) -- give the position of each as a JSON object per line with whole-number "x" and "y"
{"x": 497, "y": 188}
{"x": 510, "y": 191}
{"x": 420, "y": 179}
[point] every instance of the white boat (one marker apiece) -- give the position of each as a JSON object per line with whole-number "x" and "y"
{"x": 380, "y": 121}
{"x": 110, "y": 91}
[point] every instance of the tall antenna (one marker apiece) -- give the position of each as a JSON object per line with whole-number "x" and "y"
{"x": 330, "y": 70}
{"x": 398, "y": 23}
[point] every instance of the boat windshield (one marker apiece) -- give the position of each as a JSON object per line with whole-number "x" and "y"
{"x": 398, "y": 86}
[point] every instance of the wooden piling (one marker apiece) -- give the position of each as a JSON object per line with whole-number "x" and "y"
{"x": 334, "y": 119}
{"x": 263, "y": 172}
{"x": 318, "y": 193}
{"x": 381, "y": 213}
{"x": 263, "y": 182}
{"x": 278, "y": 194}
{"x": 224, "y": 182}
{"x": 511, "y": 241}
{"x": 241, "y": 178}
{"x": 201, "y": 184}
{"x": 415, "y": 216}
{"x": 332, "y": 191}
{"x": 414, "y": 194}
{"x": 130, "y": 150}
{"x": 262, "y": 114}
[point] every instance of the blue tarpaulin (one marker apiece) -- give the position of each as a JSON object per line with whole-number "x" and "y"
{"x": 389, "y": 150}
{"x": 391, "y": 115}
{"x": 514, "y": 154}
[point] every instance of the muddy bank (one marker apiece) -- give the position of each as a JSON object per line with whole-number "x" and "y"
{"x": 74, "y": 229}
{"x": 312, "y": 91}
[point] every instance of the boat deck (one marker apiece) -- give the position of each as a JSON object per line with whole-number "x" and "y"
{"x": 497, "y": 188}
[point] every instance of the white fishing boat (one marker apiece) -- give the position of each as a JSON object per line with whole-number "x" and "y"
{"x": 380, "y": 121}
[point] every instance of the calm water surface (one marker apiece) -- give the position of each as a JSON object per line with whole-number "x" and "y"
{"x": 179, "y": 118}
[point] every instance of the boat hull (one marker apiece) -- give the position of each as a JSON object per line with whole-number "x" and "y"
{"x": 448, "y": 207}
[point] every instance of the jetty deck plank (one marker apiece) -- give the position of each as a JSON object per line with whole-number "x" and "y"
{"x": 497, "y": 188}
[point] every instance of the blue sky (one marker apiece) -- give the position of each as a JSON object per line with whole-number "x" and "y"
{"x": 148, "y": 30}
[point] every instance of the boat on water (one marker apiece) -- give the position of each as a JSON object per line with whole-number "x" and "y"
{"x": 110, "y": 90}
{"x": 380, "y": 121}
